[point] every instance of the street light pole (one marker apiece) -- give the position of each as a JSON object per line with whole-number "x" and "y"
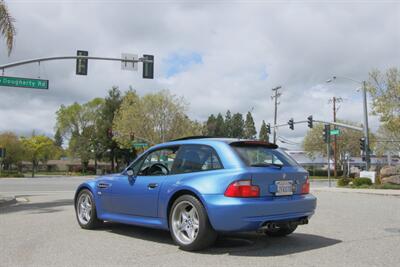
{"x": 366, "y": 128}
{"x": 365, "y": 109}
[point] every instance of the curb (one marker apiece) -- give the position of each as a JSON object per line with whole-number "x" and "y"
{"x": 382, "y": 192}
{"x": 6, "y": 201}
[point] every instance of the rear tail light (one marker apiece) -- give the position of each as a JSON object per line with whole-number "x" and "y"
{"x": 242, "y": 188}
{"x": 305, "y": 188}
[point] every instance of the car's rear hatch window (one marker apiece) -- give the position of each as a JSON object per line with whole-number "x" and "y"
{"x": 270, "y": 168}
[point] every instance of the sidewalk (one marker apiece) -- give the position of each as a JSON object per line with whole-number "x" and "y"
{"x": 385, "y": 192}
{"x": 7, "y": 200}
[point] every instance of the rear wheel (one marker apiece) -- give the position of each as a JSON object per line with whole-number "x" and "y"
{"x": 189, "y": 225}
{"x": 281, "y": 230}
{"x": 85, "y": 209}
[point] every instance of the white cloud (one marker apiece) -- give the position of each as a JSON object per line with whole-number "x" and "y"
{"x": 298, "y": 44}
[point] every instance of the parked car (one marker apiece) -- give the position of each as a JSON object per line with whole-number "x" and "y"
{"x": 199, "y": 187}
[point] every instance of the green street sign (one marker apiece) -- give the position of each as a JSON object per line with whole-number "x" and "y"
{"x": 24, "y": 82}
{"x": 335, "y": 132}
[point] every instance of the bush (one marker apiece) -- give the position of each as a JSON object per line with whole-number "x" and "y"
{"x": 362, "y": 181}
{"x": 343, "y": 181}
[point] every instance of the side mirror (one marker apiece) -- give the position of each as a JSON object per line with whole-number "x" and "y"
{"x": 130, "y": 173}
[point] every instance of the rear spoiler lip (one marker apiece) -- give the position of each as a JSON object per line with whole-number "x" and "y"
{"x": 254, "y": 143}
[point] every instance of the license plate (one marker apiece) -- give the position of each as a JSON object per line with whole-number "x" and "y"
{"x": 284, "y": 188}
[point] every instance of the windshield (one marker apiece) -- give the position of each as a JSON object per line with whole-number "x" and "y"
{"x": 260, "y": 156}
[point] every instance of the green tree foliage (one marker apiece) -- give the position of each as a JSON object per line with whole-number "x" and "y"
{"x": 250, "y": 131}
{"x": 14, "y": 149}
{"x": 219, "y": 126}
{"x": 385, "y": 92}
{"x": 153, "y": 118}
{"x": 211, "y": 125}
{"x": 81, "y": 125}
{"x": 107, "y": 114}
{"x": 237, "y": 125}
{"x": 263, "y": 132}
{"x": 228, "y": 124}
{"x": 37, "y": 149}
{"x": 58, "y": 139}
{"x": 7, "y": 28}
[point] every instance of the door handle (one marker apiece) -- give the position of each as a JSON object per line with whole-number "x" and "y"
{"x": 103, "y": 185}
{"x": 152, "y": 185}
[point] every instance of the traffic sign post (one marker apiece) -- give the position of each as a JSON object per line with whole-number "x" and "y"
{"x": 24, "y": 82}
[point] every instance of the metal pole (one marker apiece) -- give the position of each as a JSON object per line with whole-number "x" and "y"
{"x": 276, "y": 109}
{"x": 366, "y": 130}
{"x": 329, "y": 164}
{"x": 334, "y": 138}
{"x": 19, "y": 63}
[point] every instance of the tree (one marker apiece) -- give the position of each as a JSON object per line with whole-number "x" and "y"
{"x": 228, "y": 124}
{"x": 58, "y": 140}
{"x": 154, "y": 118}
{"x": 211, "y": 125}
{"x": 219, "y": 126}
{"x": 37, "y": 149}
{"x": 388, "y": 141}
{"x": 385, "y": 92}
{"x": 107, "y": 114}
{"x": 264, "y": 132}
{"x": 80, "y": 124}
{"x": 7, "y": 27}
{"x": 250, "y": 131}
{"x": 14, "y": 151}
{"x": 237, "y": 125}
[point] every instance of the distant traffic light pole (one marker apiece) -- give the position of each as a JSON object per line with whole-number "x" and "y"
{"x": 366, "y": 130}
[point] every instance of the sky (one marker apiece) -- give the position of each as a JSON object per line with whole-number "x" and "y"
{"x": 218, "y": 55}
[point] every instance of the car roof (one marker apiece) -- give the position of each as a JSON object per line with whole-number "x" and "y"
{"x": 215, "y": 140}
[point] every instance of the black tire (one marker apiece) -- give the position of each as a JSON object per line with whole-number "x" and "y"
{"x": 206, "y": 235}
{"x": 93, "y": 222}
{"x": 283, "y": 230}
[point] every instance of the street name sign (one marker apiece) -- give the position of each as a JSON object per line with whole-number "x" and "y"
{"x": 335, "y": 132}
{"x": 24, "y": 82}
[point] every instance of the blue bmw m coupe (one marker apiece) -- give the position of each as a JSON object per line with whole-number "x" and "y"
{"x": 199, "y": 187}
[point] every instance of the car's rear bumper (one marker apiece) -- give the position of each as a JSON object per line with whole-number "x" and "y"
{"x": 247, "y": 214}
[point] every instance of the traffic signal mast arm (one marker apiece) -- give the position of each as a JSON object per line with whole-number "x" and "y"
{"x": 325, "y": 122}
{"x": 24, "y": 62}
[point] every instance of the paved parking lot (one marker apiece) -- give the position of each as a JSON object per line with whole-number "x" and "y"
{"x": 348, "y": 229}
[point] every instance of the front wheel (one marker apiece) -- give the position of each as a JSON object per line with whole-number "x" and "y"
{"x": 189, "y": 225}
{"x": 85, "y": 209}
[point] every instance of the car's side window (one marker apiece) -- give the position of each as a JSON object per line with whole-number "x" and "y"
{"x": 158, "y": 162}
{"x": 195, "y": 158}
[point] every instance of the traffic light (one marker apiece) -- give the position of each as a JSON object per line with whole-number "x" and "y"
{"x": 291, "y": 124}
{"x": 81, "y": 63}
{"x": 362, "y": 144}
{"x": 148, "y": 67}
{"x": 326, "y": 133}
{"x": 310, "y": 121}
{"x": 269, "y": 128}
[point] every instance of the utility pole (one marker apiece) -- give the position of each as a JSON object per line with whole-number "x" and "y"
{"x": 366, "y": 130}
{"x": 275, "y": 97}
{"x": 334, "y": 101}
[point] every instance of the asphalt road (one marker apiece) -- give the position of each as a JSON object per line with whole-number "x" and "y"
{"x": 348, "y": 229}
